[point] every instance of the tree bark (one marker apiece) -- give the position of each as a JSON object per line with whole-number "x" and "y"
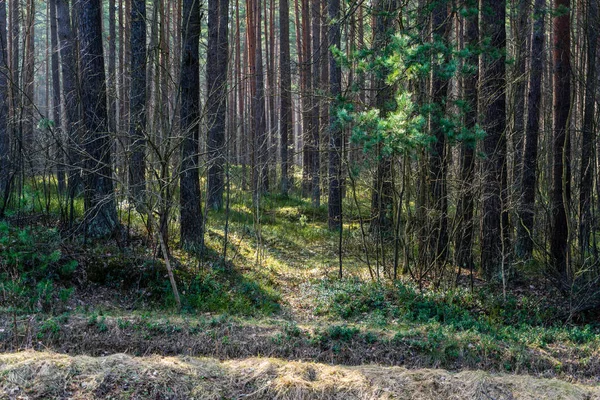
{"x": 56, "y": 114}
{"x": 314, "y": 134}
{"x": 493, "y": 97}
{"x": 101, "y": 212}
{"x": 587, "y": 140}
{"x": 261, "y": 178}
{"x": 525, "y": 225}
{"x": 560, "y": 171}
{"x": 464, "y": 212}
{"x": 382, "y": 194}
{"x": 306, "y": 93}
{"x": 335, "y": 127}
{"x": 112, "y": 66}
{"x": 285, "y": 82}
{"x": 69, "y": 97}
{"x": 438, "y": 164}
{"x": 216, "y": 79}
{"x": 4, "y": 107}
{"x": 28, "y": 83}
{"x": 137, "y": 104}
{"x": 189, "y": 180}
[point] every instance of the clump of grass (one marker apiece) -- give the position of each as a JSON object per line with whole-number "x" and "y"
{"x": 222, "y": 291}
{"x": 33, "y": 270}
{"x": 49, "y": 375}
{"x": 510, "y": 319}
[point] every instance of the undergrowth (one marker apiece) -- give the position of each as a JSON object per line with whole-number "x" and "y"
{"x": 518, "y": 320}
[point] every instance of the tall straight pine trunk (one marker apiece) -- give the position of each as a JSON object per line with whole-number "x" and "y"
{"x": 560, "y": 165}
{"x": 526, "y": 214}
{"x": 189, "y": 178}
{"x": 100, "y": 204}
{"x": 493, "y": 98}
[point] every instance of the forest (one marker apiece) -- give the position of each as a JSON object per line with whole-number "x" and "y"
{"x": 299, "y": 199}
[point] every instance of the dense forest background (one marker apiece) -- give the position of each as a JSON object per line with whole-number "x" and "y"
{"x": 221, "y": 155}
{"x": 382, "y": 182}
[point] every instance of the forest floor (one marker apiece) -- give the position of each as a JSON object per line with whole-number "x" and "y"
{"x": 275, "y": 321}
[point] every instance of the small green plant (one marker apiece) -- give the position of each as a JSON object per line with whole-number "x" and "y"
{"x": 48, "y": 329}
{"x": 102, "y": 327}
{"x": 370, "y": 338}
{"x": 292, "y": 330}
{"x": 31, "y": 270}
{"x": 123, "y": 323}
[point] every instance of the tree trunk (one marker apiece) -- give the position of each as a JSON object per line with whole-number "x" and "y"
{"x": 69, "y": 96}
{"x": 261, "y": 178}
{"x": 285, "y": 82}
{"x": 4, "y": 107}
{"x": 306, "y": 93}
{"x": 335, "y": 126}
{"x": 112, "y": 66}
{"x": 137, "y": 104}
{"x": 189, "y": 180}
{"x": 382, "y": 194}
{"x": 525, "y": 225}
{"x": 216, "y": 79}
{"x": 560, "y": 175}
{"x": 100, "y": 205}
{"x": 14, "y": 60}
{"x": 28, "y": 83}
{"x": 314, "y": 134}
{"x": 464, "y": 212}
{"x": 493, "y": 97}
{"x": 56, "y": 114}
{"x": 587, "y": 166}
{"x": 520, "y": 25}
{"x": 438, "y": 164}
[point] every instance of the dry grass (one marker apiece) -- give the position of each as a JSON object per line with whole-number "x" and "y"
{"x": 43, "y": 375}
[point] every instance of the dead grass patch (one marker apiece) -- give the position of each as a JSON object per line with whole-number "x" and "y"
{"x": 44, "y": 375}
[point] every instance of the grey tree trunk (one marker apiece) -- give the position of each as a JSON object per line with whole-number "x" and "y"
{"x": 112, "y": 66}
{"x": 69, "y": 90}
{"x": 493, "y": 98}
{"x": 525, "y": 225}
{"x": 216, "y": 80}
{"x": 314, "y": 134}
{"x": 335, "y": 127}
{"x": 100, "y": 207}
{"x": 464, "y": 211}
{"x": 137, "y": 104}
{"x": 28, "y": 143}
{"x": 560, "y": 157}
{"x": 382, "y": 194}
{"x": 286, "y": 93}
{"x": 587, "y": 148}
{"x": 56, "y": 114}
{"x": 189, "y": 180}
{"x": 438, "y": 164}
{"x": 261, "y": 178}
{"x": 4, "y": 106}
